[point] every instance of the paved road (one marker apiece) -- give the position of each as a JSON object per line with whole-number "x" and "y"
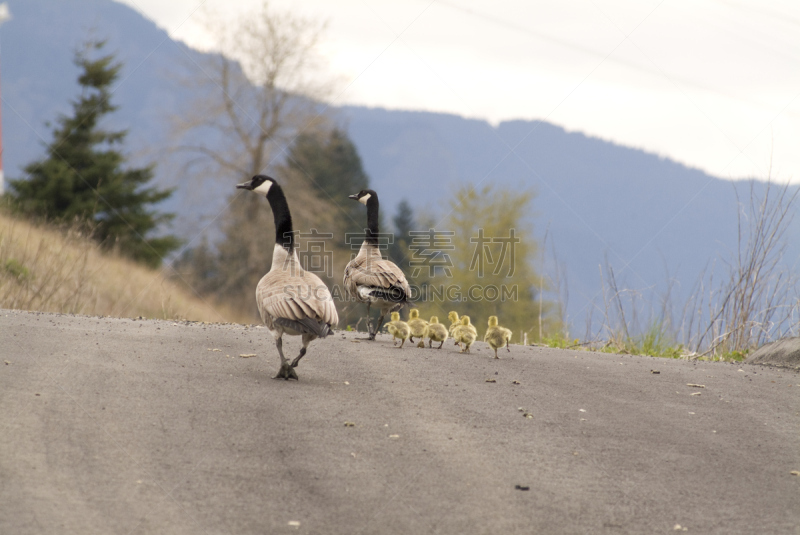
{"x": 128, "y": 427}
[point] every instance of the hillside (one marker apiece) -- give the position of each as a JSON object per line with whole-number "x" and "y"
{"x": 55, "y": 270}
{"x": 653, "y": 219}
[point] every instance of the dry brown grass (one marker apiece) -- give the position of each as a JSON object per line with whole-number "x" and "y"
{"x": 59, "y": 270}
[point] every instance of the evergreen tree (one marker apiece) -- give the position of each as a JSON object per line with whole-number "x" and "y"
{"x": 492, "y": 261}
{"x": 83, "y": 177}
{"x": 332, "y": 165}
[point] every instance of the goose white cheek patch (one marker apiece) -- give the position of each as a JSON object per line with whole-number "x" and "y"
{"x": 363, "y": 200}
{"x": 264, "y": 187}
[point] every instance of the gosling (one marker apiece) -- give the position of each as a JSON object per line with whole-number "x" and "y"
{"x": 416, "y": 324}
{"x": 435, "y": 332}
{"x": 465, "y": 334}
{"x": 497, "y": 336}
{"x": 398, "y": 329}
{"x": 454, "y": 322}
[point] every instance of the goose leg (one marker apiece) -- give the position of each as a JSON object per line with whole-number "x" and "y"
{"x": 402, "y": 341}
{"x": 306, "y": 340}
{"x": 369, "y": 325}
{"x": 380, "y": 323}
{"x": 440, "y": 345}
{"x": 286, "y": 371}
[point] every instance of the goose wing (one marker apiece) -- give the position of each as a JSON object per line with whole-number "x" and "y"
{"x": 302, "y": 303}
{"x": 381, "y": 278}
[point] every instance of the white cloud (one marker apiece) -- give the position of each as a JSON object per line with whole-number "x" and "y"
{"x": 713, "y": 84}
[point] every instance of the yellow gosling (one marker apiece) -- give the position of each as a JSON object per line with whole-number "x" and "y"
{"x": 497, "y": 336}
{"x": 398, "y": 329}
{"x": 416, "y": 324}
{"x": 436, "y": 332}
{"x": 465, "y": 334}
{"x": 454, "y": 322}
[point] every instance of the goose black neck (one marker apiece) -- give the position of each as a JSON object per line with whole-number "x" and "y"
{"x": 284, "y": 234}
{"x": 372, "y": 220}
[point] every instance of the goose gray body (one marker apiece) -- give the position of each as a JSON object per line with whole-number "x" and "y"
{"x": 371, "y": 279}
{"x": 290, "y": 300}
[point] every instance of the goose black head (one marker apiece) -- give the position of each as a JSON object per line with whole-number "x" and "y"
{"x": 258, "y": 184}
{"x": 364, "y": 195}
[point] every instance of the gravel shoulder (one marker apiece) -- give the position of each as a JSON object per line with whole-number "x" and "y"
{"x": 130, "y": 426}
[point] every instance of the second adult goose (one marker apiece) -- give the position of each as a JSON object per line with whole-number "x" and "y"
{"x": 290, "y": 300}
{"x": 369, "y": 278}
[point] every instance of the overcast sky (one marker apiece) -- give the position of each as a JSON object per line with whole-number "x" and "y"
{"x": 714, "y": 84}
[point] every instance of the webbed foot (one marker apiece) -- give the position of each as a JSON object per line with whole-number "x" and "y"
{"x": 371, "y": 337}
{"x": 286, "y": 372}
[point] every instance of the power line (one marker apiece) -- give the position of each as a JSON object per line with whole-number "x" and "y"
{"x": 594, "y": 53}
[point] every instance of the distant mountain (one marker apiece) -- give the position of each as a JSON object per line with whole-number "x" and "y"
{"x": 39, "y": 79}
{"x": 595, "y": 198}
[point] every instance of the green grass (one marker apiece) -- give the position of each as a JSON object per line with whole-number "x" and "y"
{"x": 655, "y": 342}
{"x": 732, "y": 356}
{"x": 17, "y": 270}
{"x": 560, "y": 341}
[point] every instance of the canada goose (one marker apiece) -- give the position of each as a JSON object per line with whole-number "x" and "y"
{"x": 497, "y": 336}
{"x": 398, "y": 329}
{"x": 416, "y": 324}
{"x": 436, "y": 332}
{"x": 465, "y": 333}
{"x": 370, "y": 278}
{"x": 290, "y": 299}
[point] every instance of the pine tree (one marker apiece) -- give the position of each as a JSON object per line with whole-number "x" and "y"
{"x": 83, "y": 176}
{"x": 332, "y": 165}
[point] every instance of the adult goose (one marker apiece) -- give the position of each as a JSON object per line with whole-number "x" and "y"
{"x": 369, "y": 278}
{"x": 290, "y": 300}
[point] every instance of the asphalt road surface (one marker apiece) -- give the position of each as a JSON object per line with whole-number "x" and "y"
{"x": 118, "y": 426}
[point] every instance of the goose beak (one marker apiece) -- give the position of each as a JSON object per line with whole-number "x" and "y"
{"x": 245, "y": 185}
{"x": 354, "y": 197}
